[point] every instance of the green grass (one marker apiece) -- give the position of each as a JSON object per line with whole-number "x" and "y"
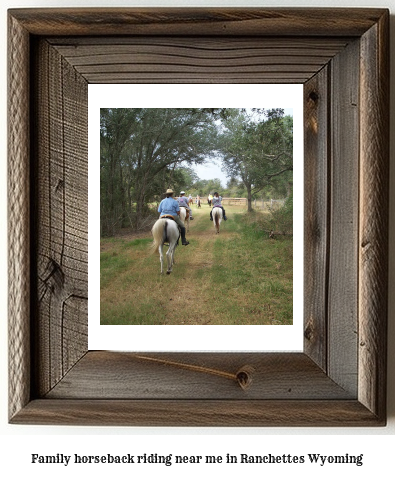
{"x": 138, "y": 242}
{"x": 257, "y": 272}
{"x": 112, "y": 264}
{"x": 147, "y": 312}
{"x": 237, "y": 277}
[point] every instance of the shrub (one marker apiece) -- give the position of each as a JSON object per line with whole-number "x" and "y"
{"x": 279, "y": 220}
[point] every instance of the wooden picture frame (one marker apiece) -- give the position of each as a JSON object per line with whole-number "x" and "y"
{"x": 342, "y": 58}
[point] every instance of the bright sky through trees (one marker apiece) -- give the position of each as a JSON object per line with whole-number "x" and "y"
{"x": 213, "y": 170}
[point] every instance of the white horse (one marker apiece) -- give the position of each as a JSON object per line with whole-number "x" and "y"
{"x": 165, "y": 230}
{"x": 184, "y": 218}
{"x": 217, "y": 217}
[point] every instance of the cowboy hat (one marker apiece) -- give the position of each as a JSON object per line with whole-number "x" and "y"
{"x": 169, "y": 191}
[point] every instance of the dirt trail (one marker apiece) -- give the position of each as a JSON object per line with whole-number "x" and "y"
{"x": 215, "y": 280}
{"x": 186, "y": 295}
{"x": 192, "y": 307}
{"x": 202, "y": 255}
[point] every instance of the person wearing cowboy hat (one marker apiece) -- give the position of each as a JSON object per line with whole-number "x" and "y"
{"x": 183, "y": 202}
{"x": 169, "y": 207}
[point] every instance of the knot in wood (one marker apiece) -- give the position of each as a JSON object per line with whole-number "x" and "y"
{"x": 308, "y": 332}
{"x": 54, "y": 278}
{"x": 313, "y": 96}
{"x": 244, "y": 376}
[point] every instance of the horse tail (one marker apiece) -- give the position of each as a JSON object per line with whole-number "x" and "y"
{"x": 159, "y": 231}
{"x": 216, "y": 219}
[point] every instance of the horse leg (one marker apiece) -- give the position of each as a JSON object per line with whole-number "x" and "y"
{"x": 173, "y": 261}
{"x": 161, "y": 257}
{"x": 169, "y": 255}
{"x": 216, "y": 222}
{"x": 172, "y": 256}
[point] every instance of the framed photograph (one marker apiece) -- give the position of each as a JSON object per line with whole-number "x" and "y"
{"x": 238, "y": 278}
{"x": 341, "y": 57}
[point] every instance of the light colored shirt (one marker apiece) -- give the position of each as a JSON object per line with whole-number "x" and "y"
{"x": 168, "y": 206}
{"x": 183, "y": 201}
{"x": 216, "y": 201}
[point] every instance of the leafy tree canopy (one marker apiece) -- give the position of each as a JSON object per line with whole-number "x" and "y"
{"x": 257, "y": 147}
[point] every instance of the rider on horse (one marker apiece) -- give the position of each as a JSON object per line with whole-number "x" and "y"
{"x": 216, "y": 202}
{"x": 183, "y": 202}
{"x": 169, "y": 207}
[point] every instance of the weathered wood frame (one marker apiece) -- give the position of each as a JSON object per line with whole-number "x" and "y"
{"x": 340, "y": 378}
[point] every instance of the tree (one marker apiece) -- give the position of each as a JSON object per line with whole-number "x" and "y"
{"x": 183, "y": 178}
{"x": 204, "y": 187}
{"x": 142, "y": 150}
{"x": 115, "y": 128}
{"x": 235, "y": 188}
{"x": 258, "y": 150}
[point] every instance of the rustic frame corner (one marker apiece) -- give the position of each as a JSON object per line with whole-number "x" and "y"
{"x": 342, "y": 58}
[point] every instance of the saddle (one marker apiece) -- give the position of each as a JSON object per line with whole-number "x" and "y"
{"x": 168, "y": 216}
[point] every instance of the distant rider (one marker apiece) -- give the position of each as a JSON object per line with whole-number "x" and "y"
{"x": 216, "y": 202}
{"x": 169, "y": 206}
{"x": 183, "y": 202}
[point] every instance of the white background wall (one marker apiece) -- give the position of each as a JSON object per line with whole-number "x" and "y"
{"x": 19, "y": 442}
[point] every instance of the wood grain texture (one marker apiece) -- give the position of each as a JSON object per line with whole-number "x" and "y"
{"x": 343, "y": 243}
{"x": 310, "y": 389}
{"x": 196, "y": 376}
{"x": 316, "y": 214}
{"x": 202, "y": 413}
{"x": 373, "y": 228}
{"x": 194, "y": 59}
{"x": 259, "y": 22}
{"x": 18, "y": 218}
{"x": 61, "y": 226}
